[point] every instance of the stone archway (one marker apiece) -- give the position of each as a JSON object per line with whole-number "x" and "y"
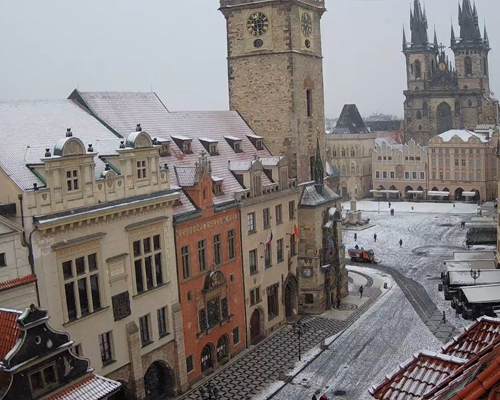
{"x": 445, "y": 121}
{"x": 207, "y": 357}
{"x": 256, "y": 326}
{"x": 408, "y": 188}
{"x": 458, "y": 194}
{"x": 222, "y": 349}
{"x": 159, "y": 381}
{"x": 290, "y": 296}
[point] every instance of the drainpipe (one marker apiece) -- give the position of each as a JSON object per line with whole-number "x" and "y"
{"x": 20, "y": 197}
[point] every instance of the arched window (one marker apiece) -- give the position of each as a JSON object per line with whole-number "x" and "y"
{"x": 418, "y": 70}
{"x": 419, "y": 115}
{"x": 485, "y": 66}
{"x": 433, "y": 65}
{"x": 468, "y": 66}
{"x": 425, "y": 109}
{"x": 343, "y": 152}
{"x": 352, "y": 152}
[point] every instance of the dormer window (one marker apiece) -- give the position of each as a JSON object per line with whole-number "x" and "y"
{"x": 141, "y": 169}
{"x": 259, "y": 145}
{"x": 257, "y": 141}
{"x": 72, "y": 180}
{"x": 235, "y": 143}
{"x": 210, "y": 145}
{"x": 186, "y": 148}
{"x": 164, "y": 150}
{"x": 217, "y": 189}
{"x": 213, "y": 149}
{"x": 237, "y": 147}
{"x": 184, "y": 144}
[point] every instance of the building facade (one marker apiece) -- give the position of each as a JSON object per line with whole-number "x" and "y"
{"x": 441, "y": 96}
{"x": 276, "y": 75}
{"x": 464, "y": 161}
{"x": 99, "y": 211}
{"x": 402, "y": 168}
{"x": 349, "y": 148}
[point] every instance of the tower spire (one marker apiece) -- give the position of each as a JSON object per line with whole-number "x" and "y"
{"x": 486, "y": 39}
{"x": 468, "y": 21}
{"x": 319, "y": 171}
{"x": 404, "y": 39}
{"x": 418, "y": 25}
{"x": 435, "y": 38}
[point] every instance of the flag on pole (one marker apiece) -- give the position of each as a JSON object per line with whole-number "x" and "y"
{"x": 296, "y": 233}
{"x": 269, "y": 237}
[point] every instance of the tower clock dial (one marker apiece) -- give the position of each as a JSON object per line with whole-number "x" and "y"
{"x": 257, "y": 23}
{"x": 306, "y": 24}
{"x": 442, "y": 66}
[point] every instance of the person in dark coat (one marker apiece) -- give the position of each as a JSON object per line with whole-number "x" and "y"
{"x": 314, "y": 397}
{"x": 375, "y": 237}
{"x": 361, "y": 291}
{"x": 356, "y": 247}
{"x": 400, "y": 242}
{"x": 355, "y": 236}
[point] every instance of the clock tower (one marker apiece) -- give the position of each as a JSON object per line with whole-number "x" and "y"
{"x": 275, "y": 75}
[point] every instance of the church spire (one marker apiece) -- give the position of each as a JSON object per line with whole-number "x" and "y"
{"x": 435, "y": 38}
{"x": 486, "y": 39}
{"x": 319, "y": 172}
{"x": 418, "y": 25}
{"x": 453, "y": 39}
{"x": 468, "y": 21}
{"x": 404, "y": 39}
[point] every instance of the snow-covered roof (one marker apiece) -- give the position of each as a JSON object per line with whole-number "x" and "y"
{"x": 473, "y": 255}
{"x": 464, "y": 277}
{"x": 463, "y": 134}
{"x": 437, "y": 193}
{"x": 482, "y": 293}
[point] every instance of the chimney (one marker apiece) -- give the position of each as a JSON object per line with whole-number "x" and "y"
{"x": 138, "y": 128}
{"x": 68, "y": 132}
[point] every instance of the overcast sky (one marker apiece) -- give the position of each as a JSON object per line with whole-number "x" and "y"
{"x": 178, "y": 47}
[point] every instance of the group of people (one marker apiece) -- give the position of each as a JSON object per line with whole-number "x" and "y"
{"x": 375, "y": 239}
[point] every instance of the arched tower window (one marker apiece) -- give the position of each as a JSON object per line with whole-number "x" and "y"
{"x": 418, "y": 70}
{"x": 334, "y": 152}
{"x": 485, "y": 66}
{"x": 425, "y": 109}
{"x": 352, "y": 152}
{"x": 419, "y": 115}
{"x": 468, "y": 66}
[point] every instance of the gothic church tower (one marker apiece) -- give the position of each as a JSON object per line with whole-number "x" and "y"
{"x": 276, "y": 76}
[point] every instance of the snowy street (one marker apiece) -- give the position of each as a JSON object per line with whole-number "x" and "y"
{"x": 391, "y": 331}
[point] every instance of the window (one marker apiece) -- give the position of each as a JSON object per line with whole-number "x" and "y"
{"x": 105, "y": 344}
{"x": 216, "y": 189}
{"x": 72, "y": 183}
{"x": 293, "y": 245}
{"x": 309, "y": 102}
{"x": 418, "y": 72}
{"x": 468, "y": 66}
{"x": 237, "y": 147}
{"x": 144, "y": 324}
{"x": 185, "y": 262}
{"x": 236, "y": 335}
{"x": 352, "y": 152}
{"x": 189, "y": 363}
{"x": 291, "y": 210}
{"x": 141, "y": 169}
{"x": 272, "y": 301}
{"x": 259, "y": 145}
{"x": 217, "y": 310}
{"x": 77, "y": 349}
{"x": 186, "y": 147}
{"x": 485, "y": 66}
{"x": 252, "y": 261}
{"x": 414, "y": 175}
{"x": 441, "y": 176}
{"x": 251, "y": 222}
{"x": 217, "y": 250}
{"x": 440, "y": 162}
{"x": 309, "y": 298}
{"x": 447, "y": 162}
{"x": 377, "y": 174}
{"x": 202, "y": 255}
{"x": 231, "y": 244}
{"x": 164, "y": 150}
{"x": 471, "y": 176}
{"x": 212, "y": 148}
{"x": 279, "y": 214}
{"x": 433, "y": 150}
{"x": 422, "y": 176}
{"x": 433, "y": 175}
{"x": 447, "y": 176}
{"x": 162, "y": 321}
{"x": 478, "y": 176}
{"x": 279, "y": 250}
{"x": 463, "y": 176}
{"x": 392, "y": 174}
{"x": 43, "y": 380}
{"x": 81, "y": 286}
{"x": 255, "y": 296}
{"x": 456, "y": 176}
{"x": 222, "y": 348}
{"x": 471, "y": 163}
{"x": 267, "y": 255}
{"x": 3, "y": 260}
{"x": 148, "y": 263}
{"x": 463, "y": 162}
{"x": 478, "y": 163}
{"x": 384, "y": 174}
{"x": 456, "y": 162}
{"x": 419, "y": 115}
{"x": 407, "y": 175}
{"x": 266, "y": 217}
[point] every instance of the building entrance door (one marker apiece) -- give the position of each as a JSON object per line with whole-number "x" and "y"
{"x": 288, "y": 302}
{"x": 445, "y": 121}
{"x": 255, "y": 330}
{"x": 206, "y": 358}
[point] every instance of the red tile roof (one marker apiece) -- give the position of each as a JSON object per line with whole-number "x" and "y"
{"x": 417, "y": 376}
{"x": 92, "y": 387}
{"x": 9, "y": 330}
{"x": 17, "y": 282}
{"x": 475, "y": 338}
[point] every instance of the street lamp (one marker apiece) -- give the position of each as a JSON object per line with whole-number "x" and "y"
{"x": 299, "y": 328}
{"x": 211, "y": 393}
{"x": 475, "y": 274}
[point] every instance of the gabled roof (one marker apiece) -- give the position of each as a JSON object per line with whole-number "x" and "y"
{"x": 41, "y": 124}
{"x": 463, "y": 134}
{"x": 311, "y": 197}
{"x": 186, "y": 176}
{"x": 350, "y": 121}
{"x": 9, "y": 330}
{"x": 91, "y": 387}
{"x": 417, "y": 376}
{"x": 123, "y": 111}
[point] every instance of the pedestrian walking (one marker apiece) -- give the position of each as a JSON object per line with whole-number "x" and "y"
{"x": 462, "y": 224}
{"x": 400, "y": 242}
{"x": 356, "y": 247}
{"x": 314, "y": 397}
{"x": 361, "y": 291}
{"x": 355, "y": 236}
{"x": 375, "y": 237}
{"x": 389, "y": 204}
{"x": 444, "y": 317}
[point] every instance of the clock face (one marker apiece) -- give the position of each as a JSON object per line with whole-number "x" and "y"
{"x": 307, "y": 272}
{"x": 306, "y": 24}
{"x": 257, "y": 23}
{"x": 442, "y": 66}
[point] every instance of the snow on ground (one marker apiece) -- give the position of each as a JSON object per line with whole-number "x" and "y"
{"x": 371, "y": 205}
{"x": 387, "y": 334}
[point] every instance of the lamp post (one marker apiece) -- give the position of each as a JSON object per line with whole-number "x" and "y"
{"x": 299, "y": 328}
{"x": 475, "y": 274}
{"x": 211, "y": 393}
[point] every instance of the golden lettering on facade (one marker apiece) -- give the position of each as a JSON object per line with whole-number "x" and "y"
{"x": 207, "y": 225}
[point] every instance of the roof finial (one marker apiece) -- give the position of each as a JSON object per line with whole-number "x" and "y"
{"x": 435, "y": 37}
{"x": 404, "y": 38}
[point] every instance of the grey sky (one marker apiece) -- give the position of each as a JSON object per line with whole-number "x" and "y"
{"x": 49, "y": 47}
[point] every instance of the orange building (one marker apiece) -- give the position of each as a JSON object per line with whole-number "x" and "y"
{"x": 209, "y": 264}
